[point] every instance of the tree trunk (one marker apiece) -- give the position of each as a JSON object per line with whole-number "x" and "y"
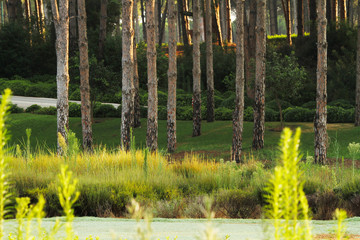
{"x": 73, "y": 27}
{"x": 321, "y": 94}
{"x": 185, "y": 22}
{"x": 228, "y": 21}
{"x": 278, "y": 102}
{"x": 162, "y": 26}
{"x": 60, "y": 11}
{"x": 2, "y": 16}
{"x": 250, "y": 50}
{"x": 238, "y": 117}
{"x": 357, "y": 108}
{"x": 12, "y": 10}
{"x": 196, "y": 70}
{"x": 152, "y": 122}
{"x": 342, "y": 4}
{"x": 312, "y": 14}
{"x": 216, "y": 22}
{"x": 143, "y": 19}
{"x": 127, "y": 73}
{"x": 287, "y": 14}
{"x": 334, "y": 10}
{"x": 102, "y": 30}
{"x": 300, "y": 17}
{"x": 222, "y": 18}
{"x": 172, "y": 78}
{"x": 41, "y": 18}
{"x": 259, "y": 107}
{"x": 209, "y": 63}
{"x": 328, "y": 10}
{"x": 137, "y": 115}
{"x": 84, "y": 78}
{"x": 27, "y": 14}
{"x": 273, "y": 17}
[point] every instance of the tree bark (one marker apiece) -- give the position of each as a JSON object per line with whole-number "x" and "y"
{"x": 41, "y": 18}
{"x": 273, "y": 17}
{"x": 84, "y": 78}
{"x": 312, "y": 14}
{"x": 172, "y": 78}
{"x": 334, "y": 10}
{"x": 228, "y": 22}
{"x": 357, "y": 108}
{"x": 73, "y": 27}
{"x": 152, "y": 122}
{"x": 196, "y": 70}
{"x": 209, "y": 63}
{"x": 27, "y": 14}
{"x": 127, "y": 73}
{"x": 102, "y": 30}
{"x": 162, "y": 25}
{"x": 137, "y": 115}
{"x": 250, "y": 50}
{"x": 143, "y": 19}
{"x": 259, "y": 107}
{"x": 300, "y": 17}
{"x": 60, "y": 11}
{"x": 222, "y": 18}
{"x": 216, "y": 22}
{"x": 321, "y": 94}
{"x": 238, "y": 117}
{"x": 287, "y": 15}
{"x": 342, "y": 4}
{"x": 185, "y": 22}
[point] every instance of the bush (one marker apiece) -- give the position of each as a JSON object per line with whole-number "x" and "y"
{"x": 75, "y": 95}
{"x": 162, "y": 98}
{"x": 309, "y": 105}
{"x": 105, "y": 110}
{"x": 17, "y": 87}
{"x": 271, "y": 115}
{"x": 143, "y": 111}
{"x": 162, "y": 113}
{"x": 273, "y": 105}
{"x": 223, "y": 113}
{"x": 184, "y": 100}
{"x": 249, "y": 114}
{"x": 33, "y": 108}
{"x": 47, "y": 111}
{"x": 41, "y": 90}
{"x": 298, "y": 114}
{"x": 74, "y": 110}
{"x": 340, "y": 115}
{"x": 15, "y": 109}
{"x": 345, "y": 104}
{"x": 229, "y": 102}
{"x": 184, "y": 113}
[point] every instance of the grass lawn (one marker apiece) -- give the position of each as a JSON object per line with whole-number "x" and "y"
{"x": 215, "y": 140}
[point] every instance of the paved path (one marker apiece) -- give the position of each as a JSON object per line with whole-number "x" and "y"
{"x": 184, "y": 229}
{"x": 25, "y": 102}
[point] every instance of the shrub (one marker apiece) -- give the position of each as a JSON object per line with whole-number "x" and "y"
{"x": 74, "y": 109}
{"x": 17, "y": 87}
{"x": 340, "y": 115}
{"x": 298, "y": 114}
{"x": 41, "y": 90}
{"x": 184, "y": 100}
{"x": 75, "y": 95}
{"x": 47, "y": 111}
{"x": 341, "y": 103}
{"x": 162, "y": 98}
{"x": 309, "y": 105}
{"x": 162, "y": 113}
{"x": 249, "y": 114}
{"x": 15, "y": 109}
{"x": 184, "y": 113}
{"x": 105, "y": 110}
{"x": 271, "y": 115}
{"x": 143, "y": 111}
{"x": 229, "y": 102}
{"x": 33, "y": 108}
{"x": 223, "y": 113}
{"x": 273, "y": 105}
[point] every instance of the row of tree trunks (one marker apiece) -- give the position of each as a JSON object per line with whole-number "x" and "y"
{"x": 84, "y": 78}
{"x": 196, "y": 70}
{"x": 137, "y": 122}
{"x": 152, "y": 121}
{"x": 238, "y": 117}
{"x": 61, "y": 22}
{"x": 172, "y": 78}
{"x": 321, "y": 94}
{"x": 209, "y": 63}
{"x": 259, "y": 106}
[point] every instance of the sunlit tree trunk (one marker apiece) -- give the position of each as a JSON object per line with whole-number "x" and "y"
{"x": 216, "y": 22}
{"x": 60, "y": 12}
{"x": 152, "y": 121}
{"x": 102, "y": 30}
{"x": 238, "y": 117}
{"x": 196, "y": 70}
{"x": 259, "y": 107}
{"x": 287, "y": 14}
{"x": 357, "y": 108}
{"x": 342, "y": 6}
{"x": 172, "y": 78}
{"x": 209, "y": 63}
{"x": 185, "y": 22}
{"x": 321, "y": 94}
{"x": 228, "y": 21}
{"x": 334, "y": 10}
{"x": 84, "y": 78}
{"x": 127, "y": 73}
{"x": 162, "y": 25}
{"x": 222, "y": 17}
{"x": 137, "y": 122}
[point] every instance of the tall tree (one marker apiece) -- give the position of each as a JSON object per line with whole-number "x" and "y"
{"x": 334, "y": 10}
{"x": 72, "y": 27}
{"x": 216, "y": 22}
{"x": 209, "y": 63}
{"x": 321, "y": 94}
{"x": 259, "y": 106}
{"x": 300, "y": 18}
{"x": 137, "y": 122}
{"x": 287, "y": 15}
{"x": 41, "y": 17}
{"x": 273, "y": 17}
{"x": 343, "y": 14}
{"x": 84, "y": 78}
{"x": 152, "y": 121}
{"x": 250, "y": 43}
{"x": 228, "y": 22}
{"x": 357, "y": 108}
{"x": 143, "y": 19}
{"x": 60, "y": 12}
{"x": 172, "y": 78}
{"x": 127, "y": 73}
{"x": 102, "y": 30}
{"x": 196, "y": 70}
{"x": 162, "y": 24}
{"x": 238, "y": 117}
{"x": 183, "y": 12}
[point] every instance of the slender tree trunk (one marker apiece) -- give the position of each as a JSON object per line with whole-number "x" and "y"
{"x": 334, "y": 10}
{"x": 222, "y": 18}
{"x": 216, "y": 22}
{"x": 102, "y": 30}
{"x": 300, "y": 17}
{"x": 287, "y": 14}
{"x": 185, "y": 22}
{"x": 259, "y": 107}
{"x": 60, "y": 11}
{"x": 209, "y": 63}
{"x": 152, "y": 122}
{"x": 41, "y": 18}
{"x": 127, "y": 73}
{"x": 312, "y": 14}
{"x": 321, "y": 94}
{"x": 73, "y": 27}
{"x": 238, "y": 117}
{"x": 179, "y": 21}
{"x": 328, "y": 10}
{"x": 250, "y": 51}
{"x": 196, "y": 70}
{"x": 172, "y": 78}
{"x": 137, "y": 122}
{"x": 143, "y": 19}
{"x": 157, "y": 22}
{"x": 27, "y": 15}
{"x": 342, "y": 4}
{"x": 37, "y": 15}
{"x": 84, "y": 78}
{"x": 162, "y": 26}
{"x": 357, "y": 108}
{"x": 273, "y": 17}
{"x": 228, "y": 21}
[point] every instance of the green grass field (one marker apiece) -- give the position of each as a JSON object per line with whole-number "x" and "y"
{"x": 215, "y": 140}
